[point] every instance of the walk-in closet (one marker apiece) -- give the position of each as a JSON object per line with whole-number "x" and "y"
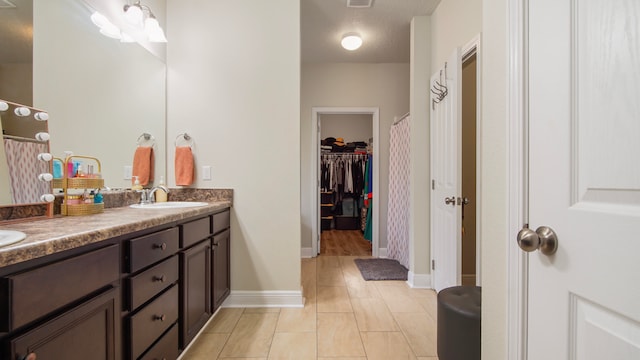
{"x": 346, "y": 173}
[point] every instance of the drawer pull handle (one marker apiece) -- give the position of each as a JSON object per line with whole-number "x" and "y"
{"x": 159, "y": 278}
{"x": 162, "y": 317}
{"x": 162, "y": 246}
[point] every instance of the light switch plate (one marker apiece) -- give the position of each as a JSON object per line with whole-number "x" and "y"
{"x": 206, "y": 172}
{"x": 128, "y": 172}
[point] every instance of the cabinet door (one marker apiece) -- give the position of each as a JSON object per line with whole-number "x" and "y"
{"x": 221, "y": 262}
{"x": 195, "y": 289}
{"x": 88, "y": 331}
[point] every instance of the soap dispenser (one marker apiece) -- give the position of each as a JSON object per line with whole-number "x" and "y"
{"x": 160, "y": 194}
{"x": 136, "y": 184}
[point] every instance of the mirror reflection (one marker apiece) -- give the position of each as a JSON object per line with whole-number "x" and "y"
{"x": 24, "y": 158}
{"x": 102, "y": 93}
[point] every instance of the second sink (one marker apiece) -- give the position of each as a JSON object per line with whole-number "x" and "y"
{"x": 170, "y": 205}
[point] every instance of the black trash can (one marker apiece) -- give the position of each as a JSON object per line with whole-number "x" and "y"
{"x": 459, "y": 323}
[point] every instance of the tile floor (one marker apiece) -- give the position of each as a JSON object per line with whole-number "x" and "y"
{"x": 344, "y": 317}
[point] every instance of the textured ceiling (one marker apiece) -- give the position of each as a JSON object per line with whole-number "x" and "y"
{"x": 385, "y": 29}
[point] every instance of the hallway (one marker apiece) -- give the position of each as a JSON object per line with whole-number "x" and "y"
{"x": 344, "y": 317}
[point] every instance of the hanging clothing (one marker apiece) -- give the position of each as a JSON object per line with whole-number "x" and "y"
{"x": 398, "y": 215}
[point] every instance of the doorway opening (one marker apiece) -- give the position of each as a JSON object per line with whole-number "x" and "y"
{"x": 335, "y": 211}
{"x": 469, "y": 169}
{"x": 345, "y": 145}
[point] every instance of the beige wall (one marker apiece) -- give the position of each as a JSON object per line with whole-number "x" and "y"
{"x": 454, "y": 23}
{"x": 16, "y": 83}
{"x": 494, "y": 176}
{"x": 350, "y": 127}
{"x": 385, "y": 86}
{"x": 239, "y": 97}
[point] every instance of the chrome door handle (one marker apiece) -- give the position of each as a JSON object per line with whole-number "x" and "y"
{"x": 544, "y": 238}
{"x": 450, "y": 200}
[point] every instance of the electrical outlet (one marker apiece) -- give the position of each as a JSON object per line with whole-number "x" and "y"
{"x": 128, "y": 172}
{"x": 206, "y": 172}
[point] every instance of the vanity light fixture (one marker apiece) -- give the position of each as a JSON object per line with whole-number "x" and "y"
{"x": 351, "y": 41}
{"x": 41, "y": 116}
{"x": 135, "y": 15}
{"x": 42, "y": 136}
{"x": 22, "y": 111}
{"x": 4, "y": 106}
{"x": 107, "y": 28}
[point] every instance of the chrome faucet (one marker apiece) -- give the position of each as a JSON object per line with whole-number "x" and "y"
{"x": 151, "y": 195}
{"x": 147, "y": 196}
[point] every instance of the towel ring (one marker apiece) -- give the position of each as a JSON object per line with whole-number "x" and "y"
{"x": 146, "y": 137}
{"x": 186, "y": 137}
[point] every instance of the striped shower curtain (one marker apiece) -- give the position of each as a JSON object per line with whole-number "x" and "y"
{"x": 24, "y": 167}
{"x": 398, "y": 207}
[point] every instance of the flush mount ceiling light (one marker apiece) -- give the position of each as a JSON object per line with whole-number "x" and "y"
{"x": 351, "y": 41}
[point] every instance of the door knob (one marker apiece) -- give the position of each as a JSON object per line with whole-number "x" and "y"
{"x": 544, "y": 238}
{"x": 450, "y": 200}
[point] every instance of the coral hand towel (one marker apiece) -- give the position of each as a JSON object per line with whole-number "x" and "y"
{"x": 184, "y": 166}
{"x": 143, "y": 164}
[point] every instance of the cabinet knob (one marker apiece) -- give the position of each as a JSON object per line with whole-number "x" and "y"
{"x": 159, "y": 278}
{"x": 160, "y": 317}
{"x": 30, "y": 356}
{"x": 162, "y": 246}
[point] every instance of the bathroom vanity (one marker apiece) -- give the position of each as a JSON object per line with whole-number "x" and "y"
{"x": 125, "y": 284}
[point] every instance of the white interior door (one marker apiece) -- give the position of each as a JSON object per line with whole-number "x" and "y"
{"x": 446, "y": 186}
{"x": 584, "y": 110}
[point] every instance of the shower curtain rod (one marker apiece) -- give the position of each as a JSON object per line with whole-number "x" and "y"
{"x": 401, "y": 118}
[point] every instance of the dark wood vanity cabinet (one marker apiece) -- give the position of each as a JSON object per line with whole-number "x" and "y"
{"x": 87, "y": 331}
{"x": 136, "y": 297}
{"x": 220, "y": 268}
{"x": 67, "y": 309}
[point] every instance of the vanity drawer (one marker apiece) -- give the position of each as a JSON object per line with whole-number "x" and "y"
{"x": 149, "y": 323}
{"x": 146, "y": 250}
{"x": 221, "y": 221}
{"x": 27, "y": 296}
{"x": 148, "y": 283}
{"x": 195, "y": 231}
{"x": 165, "y": 348}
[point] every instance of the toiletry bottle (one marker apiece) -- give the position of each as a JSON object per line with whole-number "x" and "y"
{"x": 69, "y": 162}
{"x": 136, "y": 184}
{"x": 97, "y": 199}
{"x": 57, "y": 169}
{"x": 80, "y": 172}
{"x": 161, "y": 195}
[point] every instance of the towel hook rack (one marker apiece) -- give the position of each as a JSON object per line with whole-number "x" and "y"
{"x": 145, "y": 137}
{"x": 186, "y": 137}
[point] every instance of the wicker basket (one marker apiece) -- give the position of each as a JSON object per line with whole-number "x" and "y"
{"x": 82, "y": 209}
{"x": 85, "y": 183}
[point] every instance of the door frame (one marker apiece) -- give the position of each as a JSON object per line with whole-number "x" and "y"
{"x": 315, "y": 171}
{"x": 518, "y": 137}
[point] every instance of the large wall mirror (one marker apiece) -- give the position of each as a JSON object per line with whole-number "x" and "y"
{"x": 101, "y": 94}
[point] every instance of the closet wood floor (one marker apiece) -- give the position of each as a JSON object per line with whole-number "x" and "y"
{"x": 344, "y": 243}
{"x": 344, "y": 317}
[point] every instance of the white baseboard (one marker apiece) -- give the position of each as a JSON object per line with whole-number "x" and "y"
{"x": 382, "y": 252}
{"x": 419, "y": 281}
{"x": 306, "y": 252}
{"x": 286, "y": 299}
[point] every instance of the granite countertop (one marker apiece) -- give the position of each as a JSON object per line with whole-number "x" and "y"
{"x": 49, "y": 236}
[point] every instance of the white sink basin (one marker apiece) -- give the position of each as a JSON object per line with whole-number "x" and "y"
{"x": 8, "y": 237}
{"x": 170, "y": 205}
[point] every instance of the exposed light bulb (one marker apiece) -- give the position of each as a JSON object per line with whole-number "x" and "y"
{"x": 153, "y": 30}
{"x": 351, "y": 41}
{"x": 133, "y": 14}
{"x": 4, "y": 106}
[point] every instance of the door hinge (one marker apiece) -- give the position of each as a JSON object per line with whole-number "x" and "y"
{"x": 433, "y": 184}
{"x": 433, "y": 264}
